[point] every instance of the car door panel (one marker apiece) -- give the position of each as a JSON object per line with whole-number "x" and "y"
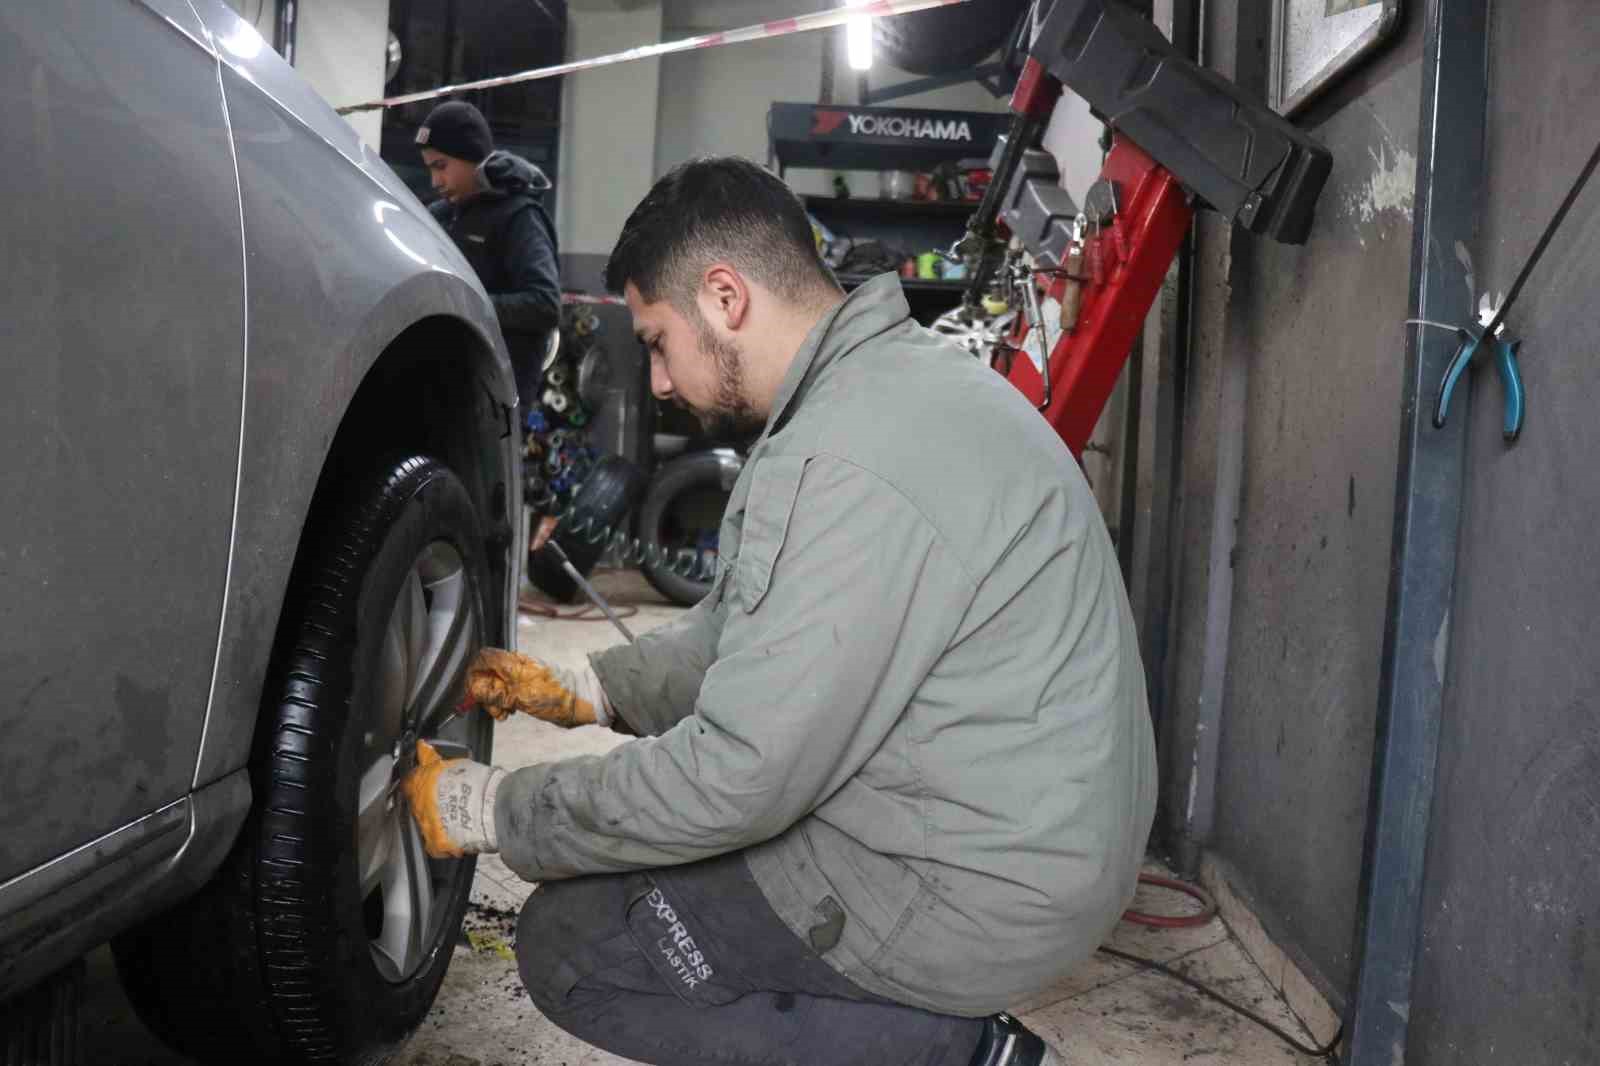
{"x": 123, "y": 323}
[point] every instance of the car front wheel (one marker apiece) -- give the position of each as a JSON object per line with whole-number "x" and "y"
{"x": 327, "y": 933}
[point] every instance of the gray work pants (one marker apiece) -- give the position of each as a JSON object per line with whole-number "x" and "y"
{"x": 690, "y": 965}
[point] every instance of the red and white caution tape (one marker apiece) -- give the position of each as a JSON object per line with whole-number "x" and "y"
{"x": 821, "y": 20}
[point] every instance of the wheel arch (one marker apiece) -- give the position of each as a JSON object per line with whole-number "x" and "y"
{"x": 435, "y": 381}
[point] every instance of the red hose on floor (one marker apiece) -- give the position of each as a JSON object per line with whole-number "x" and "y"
{"x": 1208, "y": 907}
{"x": 587, "y": 613}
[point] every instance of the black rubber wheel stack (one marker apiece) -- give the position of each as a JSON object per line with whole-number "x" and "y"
{"x": 947, "y": 39}
{"x": 686, "y": 497}
{"x": 275, "y": 961}
{"x": 41, "y": 1027}
{"x": 599, "y": 508}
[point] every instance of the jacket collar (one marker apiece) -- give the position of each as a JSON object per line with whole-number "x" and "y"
{"x": 875, "y": 307}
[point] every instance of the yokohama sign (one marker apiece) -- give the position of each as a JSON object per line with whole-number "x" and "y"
{"x": 911, "y": 127}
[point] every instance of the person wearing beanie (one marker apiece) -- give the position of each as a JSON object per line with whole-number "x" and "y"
{"x": 492, "y": 204}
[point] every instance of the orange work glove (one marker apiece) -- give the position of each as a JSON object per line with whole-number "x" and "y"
{"x": 452, "y": 801}
{"x": 502, "y": 682}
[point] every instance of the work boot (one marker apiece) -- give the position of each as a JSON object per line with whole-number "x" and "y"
{"x": 1007, "y": 1042}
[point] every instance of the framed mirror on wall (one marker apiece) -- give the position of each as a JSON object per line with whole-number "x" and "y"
{"x": 1316, "y": 41}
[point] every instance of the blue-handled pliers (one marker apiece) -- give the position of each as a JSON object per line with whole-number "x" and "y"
{"x": 1504, "y": 353}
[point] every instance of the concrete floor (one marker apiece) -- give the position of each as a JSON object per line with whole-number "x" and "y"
{"x": 1107, "y": 1012}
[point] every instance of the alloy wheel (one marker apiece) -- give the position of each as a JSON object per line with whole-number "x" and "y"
{"x": 432, "y": 634}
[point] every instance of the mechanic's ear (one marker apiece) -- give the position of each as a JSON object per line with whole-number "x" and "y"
{"x": 724, "y": 296}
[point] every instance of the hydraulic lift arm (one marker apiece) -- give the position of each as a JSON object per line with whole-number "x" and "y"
{"x": 1184, "y": 138}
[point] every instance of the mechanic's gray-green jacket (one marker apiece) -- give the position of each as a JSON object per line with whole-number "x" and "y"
{"x": 913, "y": 695}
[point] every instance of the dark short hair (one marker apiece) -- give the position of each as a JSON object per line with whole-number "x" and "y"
{"x": 720, "y": 209}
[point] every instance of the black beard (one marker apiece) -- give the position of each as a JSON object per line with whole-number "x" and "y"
{"x": 728, "y": 425}
{"x": 730, "y": 416}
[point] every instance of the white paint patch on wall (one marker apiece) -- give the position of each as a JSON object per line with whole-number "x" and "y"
{"x": 1441, "y": 649}
{"x": 1390, "y": 187}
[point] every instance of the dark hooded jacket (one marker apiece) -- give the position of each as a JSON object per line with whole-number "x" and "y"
{"x": 506, "y": 234}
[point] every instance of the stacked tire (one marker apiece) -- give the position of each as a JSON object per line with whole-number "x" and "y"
{"x": 679, "y": 519}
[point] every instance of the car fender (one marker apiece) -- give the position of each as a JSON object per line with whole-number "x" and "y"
{"x": 341, "y": 260}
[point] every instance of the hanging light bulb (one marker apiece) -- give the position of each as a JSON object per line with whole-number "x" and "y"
{"x": 858, "y": 39}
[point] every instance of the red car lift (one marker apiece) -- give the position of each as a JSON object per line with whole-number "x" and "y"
{"x": 1184, "y": 137}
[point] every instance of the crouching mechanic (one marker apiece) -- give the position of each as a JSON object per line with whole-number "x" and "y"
{"x": 896, "y": 769}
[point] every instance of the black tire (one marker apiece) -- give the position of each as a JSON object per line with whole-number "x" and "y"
{"x": 947, "y": 39}
{"x": 275, "y": 960}
{"x": 41, "y": 1026}
{"x": 600, "y": 506}
{"x": 686, "y": 497}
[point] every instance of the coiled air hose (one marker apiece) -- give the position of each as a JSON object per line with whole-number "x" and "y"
{"x": 595, "y": 519}
{"x": 687, "y": 563}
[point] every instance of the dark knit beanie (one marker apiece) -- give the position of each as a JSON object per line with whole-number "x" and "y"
{"x": 457, "y": 129}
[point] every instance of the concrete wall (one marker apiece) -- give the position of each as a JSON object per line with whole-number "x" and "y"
{"x": 1322, "y": 326}
{"x": 339, "y": 49}
{"x": 717, "y": 99}
{"x": 1510, "y": 966}
{"x": 1290, "y": 435}
{"x": 608, "y": 137}
{"x": 1294, "y": 384}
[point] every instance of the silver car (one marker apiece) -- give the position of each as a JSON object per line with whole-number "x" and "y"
{"x": 259, "y": 497}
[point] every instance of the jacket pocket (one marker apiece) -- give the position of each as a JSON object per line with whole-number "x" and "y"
{"x": 889, "y": 946}
{"x": 775, "y": 484}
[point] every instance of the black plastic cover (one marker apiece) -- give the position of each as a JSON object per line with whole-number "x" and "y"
{"x": 1036, "y": 208}
{"x": 1234, "y": 153}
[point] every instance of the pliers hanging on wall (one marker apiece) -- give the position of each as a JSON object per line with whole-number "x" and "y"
{"x": 1491, "y": 319}
{"x": 1504, "y": 354}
